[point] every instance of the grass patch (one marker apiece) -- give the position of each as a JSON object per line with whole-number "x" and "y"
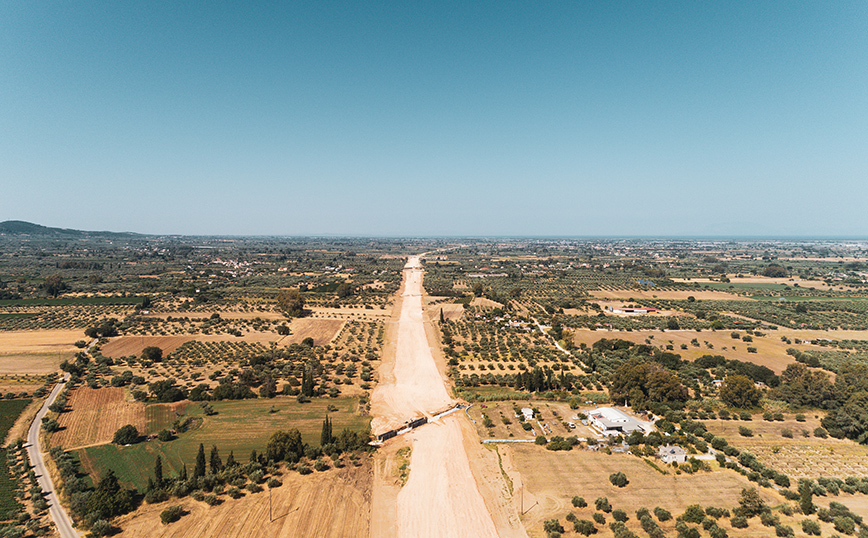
{"x": 240, "y": 426}
{"x": 9, "y": 412}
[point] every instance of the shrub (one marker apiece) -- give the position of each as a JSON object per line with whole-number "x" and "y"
{"x": 821, "y": 433}
{"x": 274, "y": 483}
{"x": 618, "y": 479}
{"x": 585, "y": 527}
{"x": 810, "y": 527}
{"x": 234, "y": 492}
{"x": 599, "y": 518}
{"x": 619, "y": 515}
{"x": 744, "y": 431}
{"x": 662, "y": 514}
{"x": 844, "y": 524}
{"x": 552, "y": 525}
{"x": 769, "y": 520}
{"x": 693, "y": 514}
{"x": 717, "y": 513}
{"x": 738, "y": 522}
{"x": 579, "y": 502}
{"x": 783, "y": 530}
{"x": 171, "y": 514}
{"x": 788, "y": 433}
{"x": 101, "y": 527}
{"x": 602, "y": 504}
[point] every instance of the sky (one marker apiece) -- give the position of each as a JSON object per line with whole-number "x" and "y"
{"x": 436, "y": 118}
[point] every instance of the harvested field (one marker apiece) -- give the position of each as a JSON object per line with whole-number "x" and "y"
{"x": 733, "y": 280}
{"x": 335, "y": 503}
{"x": 486, "y": 303}
{"x": 322, "y": 331}
{"x": 799, "y": 457}
{"x": 32, "y": 364}
{"x": 125, "y": 346}
{"x": 671, "y": 295}
{"x": 53, "y": 341}
{"x": 320, "y": 312}
{"x": 551, "y": 479}
{"x": 95, "y": 415}
{"x": 451, "y": 311}
{"x": 771, "y": 351}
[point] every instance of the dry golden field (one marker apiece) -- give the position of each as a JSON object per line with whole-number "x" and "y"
{"x": 95, "y": 415}
{"x": 333, "y": 504}
{"x": 133, "y": 345}
{"x": 551, "y": 479}
{"x": 672, "y": 295}
{"x": 799, "y": 457}
{"x": 322, "y": 331}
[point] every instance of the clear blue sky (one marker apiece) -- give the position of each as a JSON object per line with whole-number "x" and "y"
{"x": 436, "y": 118}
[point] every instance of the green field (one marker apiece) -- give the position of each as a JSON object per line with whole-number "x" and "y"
{"x": 240, "y": 426}
{"x": 9, "y": 412}
{"x": 73, "y": 301}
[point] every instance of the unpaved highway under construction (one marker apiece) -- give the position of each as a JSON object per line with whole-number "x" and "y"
{"x": 441, "y": 497}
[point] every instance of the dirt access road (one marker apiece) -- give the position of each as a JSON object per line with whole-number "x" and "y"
{"x": 441, "y": 497}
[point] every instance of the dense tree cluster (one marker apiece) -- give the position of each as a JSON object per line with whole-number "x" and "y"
{"x": 739, "y": 391}
{"x": 638, "y": 382}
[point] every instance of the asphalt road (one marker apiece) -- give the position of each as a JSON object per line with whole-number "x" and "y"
{"x": 55, "y": 509}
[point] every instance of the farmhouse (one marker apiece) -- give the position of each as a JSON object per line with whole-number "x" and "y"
{"x": 672, "y": 453}
{"x": 610, "y": 421}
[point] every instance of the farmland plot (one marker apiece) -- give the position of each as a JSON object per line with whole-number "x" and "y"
{"x": 95, "y": 416}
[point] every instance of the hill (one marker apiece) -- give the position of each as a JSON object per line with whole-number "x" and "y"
{"x": 19, "y": 227}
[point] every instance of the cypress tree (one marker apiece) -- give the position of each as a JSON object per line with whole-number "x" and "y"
{"x": 200, "y": 462}
{"x": 326, "y": 437}
{"x": 441, "y": 315}
{"x": 183, "y": 475}
{"x": 230, "y": 461}
{"x": 216, "y": 462}
{"x": 806, "y": 497}
{"x": 158, "y": 472}
{"x": 253, "y": 457}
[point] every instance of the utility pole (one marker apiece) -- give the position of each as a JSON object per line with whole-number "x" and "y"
{"x": 270, "y": 517}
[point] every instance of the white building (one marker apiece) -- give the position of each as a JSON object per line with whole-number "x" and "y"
{"x": 610, "y": 421}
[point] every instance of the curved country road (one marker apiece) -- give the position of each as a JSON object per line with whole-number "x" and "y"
{"x": 58, "y": 514}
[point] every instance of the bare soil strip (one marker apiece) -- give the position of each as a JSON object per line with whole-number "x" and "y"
{"x": 441, "y": 497}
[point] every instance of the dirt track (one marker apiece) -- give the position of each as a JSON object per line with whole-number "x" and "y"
{"x": 441, "y": 497}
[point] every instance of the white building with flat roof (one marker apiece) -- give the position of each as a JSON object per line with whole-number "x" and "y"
{"x": 610, "y": 422}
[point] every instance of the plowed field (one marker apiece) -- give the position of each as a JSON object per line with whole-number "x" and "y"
{"x": 133, "y": 345}
{"x": 95, "y": 416}
{"x": 321, "y": 330}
